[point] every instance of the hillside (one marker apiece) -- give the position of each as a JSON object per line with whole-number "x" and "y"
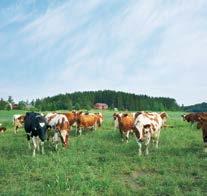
{"x": 114, "y": 99}
{"x": 202, "y": 107}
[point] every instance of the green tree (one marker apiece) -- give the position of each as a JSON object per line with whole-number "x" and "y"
{"x": 77, "y": 106}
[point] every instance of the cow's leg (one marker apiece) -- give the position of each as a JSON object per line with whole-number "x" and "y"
{"x": 42, "y": 147}
{"x": 15, "y": 129}
{"x": 122, "y": 136}
{"x": 205, "y": 140}
{"x": 205, "y": 147}
{"x": 126, "y": 134}
{"x": 80, "y": 131}
{"x": 139, "y": 146}
{"x": 147, "y": 146}
{"x": 38, "y": 143}
{"x": 55, "y": 140}
{"x": 28, "y": 140}
{"x": 95, "y": 126}
{"x": 34, "y": 146}
{"x": 127, "y": 137}
{"x": 157, "y": 140}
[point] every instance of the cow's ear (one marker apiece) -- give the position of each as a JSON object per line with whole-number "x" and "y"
{"x": 137, "y": 114}
{"x": 163, "y": 115}
{"x": 147, "y": 126}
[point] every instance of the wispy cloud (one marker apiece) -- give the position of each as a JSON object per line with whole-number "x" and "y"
{"x": 155, "y": 48}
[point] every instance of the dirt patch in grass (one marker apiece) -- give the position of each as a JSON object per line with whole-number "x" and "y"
{"x": 131, "y": 180}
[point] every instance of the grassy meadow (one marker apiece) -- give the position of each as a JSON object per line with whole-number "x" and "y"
{"x": 99, "y": 163}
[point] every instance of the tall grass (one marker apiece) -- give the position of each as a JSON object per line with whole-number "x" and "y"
{"x": 98, "y": 163}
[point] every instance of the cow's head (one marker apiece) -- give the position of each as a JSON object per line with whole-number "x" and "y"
{"x": 21, "y": 119}
{"x": 142, "y": 132}
{"x": 2, "y": 129}
{"x": 63, "y": 127}
{"x": 115, "y": 116}
{"x": 137, "y": 114}
{"x": 146, "y": 131}
{"x": 164, "y": 117}
{"x": 99, "y": 118}
{"x": 183, "y": 117}
{"x": 41, "y": 126}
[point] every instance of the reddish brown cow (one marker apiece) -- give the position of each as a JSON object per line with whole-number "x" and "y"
{"x": 202, "y": 123}
{"x": 201, "y": 119}
{"x": 86, "y": 120}
{"x": 125, "y": 124}
{"x": 193, "y": 117}
{"x": 72, "y": 117}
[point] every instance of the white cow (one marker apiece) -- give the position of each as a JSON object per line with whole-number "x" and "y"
{"x": 147, "y": 127}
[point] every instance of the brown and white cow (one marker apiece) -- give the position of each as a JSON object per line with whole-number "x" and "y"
{"x": 86, "y": 121}
{"x": 147, "y": 127}
{"x": 124, "y": 123}
{"x": 116, "y": 122}
{"x": 99, "y": 118}
{"x": 60, "y": 124}
{"x": 18, "y": 121}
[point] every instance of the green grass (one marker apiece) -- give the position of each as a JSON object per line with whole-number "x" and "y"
{"x": 98, "y": 163}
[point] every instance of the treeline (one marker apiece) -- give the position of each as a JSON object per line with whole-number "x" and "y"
{"x": 202, "y": 107}
{"x": 120, "y": 100}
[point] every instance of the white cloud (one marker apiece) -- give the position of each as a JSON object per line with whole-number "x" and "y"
{"x": 155, "y": 48}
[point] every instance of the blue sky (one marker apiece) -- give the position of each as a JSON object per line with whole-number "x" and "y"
{"x": 158, "y": 48}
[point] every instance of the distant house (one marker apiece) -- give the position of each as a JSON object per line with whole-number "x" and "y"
{"x": 15, "y": 106}
{"x": 101, "y": 106}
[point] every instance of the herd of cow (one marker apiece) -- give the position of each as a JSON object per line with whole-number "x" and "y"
{"x": 55, "y": 127}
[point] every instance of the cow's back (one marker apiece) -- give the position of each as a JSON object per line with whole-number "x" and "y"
{"x": 29, "y": 120}
{"x": 87, "y": 120}
{"x": 127, "y": 122}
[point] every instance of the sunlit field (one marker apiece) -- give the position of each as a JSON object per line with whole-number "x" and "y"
{"x": 99, "y": 163}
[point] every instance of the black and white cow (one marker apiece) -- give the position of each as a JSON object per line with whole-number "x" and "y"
{"x": 35, "y": 127}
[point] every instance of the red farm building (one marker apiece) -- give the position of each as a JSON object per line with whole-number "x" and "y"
{"x": 101, "y": 106}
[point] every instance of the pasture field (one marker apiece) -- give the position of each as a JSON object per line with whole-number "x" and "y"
{"x": 99, "y": 163}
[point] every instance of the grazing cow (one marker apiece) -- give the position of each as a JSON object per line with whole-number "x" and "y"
{"x": 193, "y": 117}
{"x": 60, "y": 124}
{"x": 147, "y": 126}
{"x": 86, "y": 121}
{"x": 35, "y": 127}
{"x": 125, "y": 124}
{"x": 2, "y": 129}
{"x": 18, "y": 121}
